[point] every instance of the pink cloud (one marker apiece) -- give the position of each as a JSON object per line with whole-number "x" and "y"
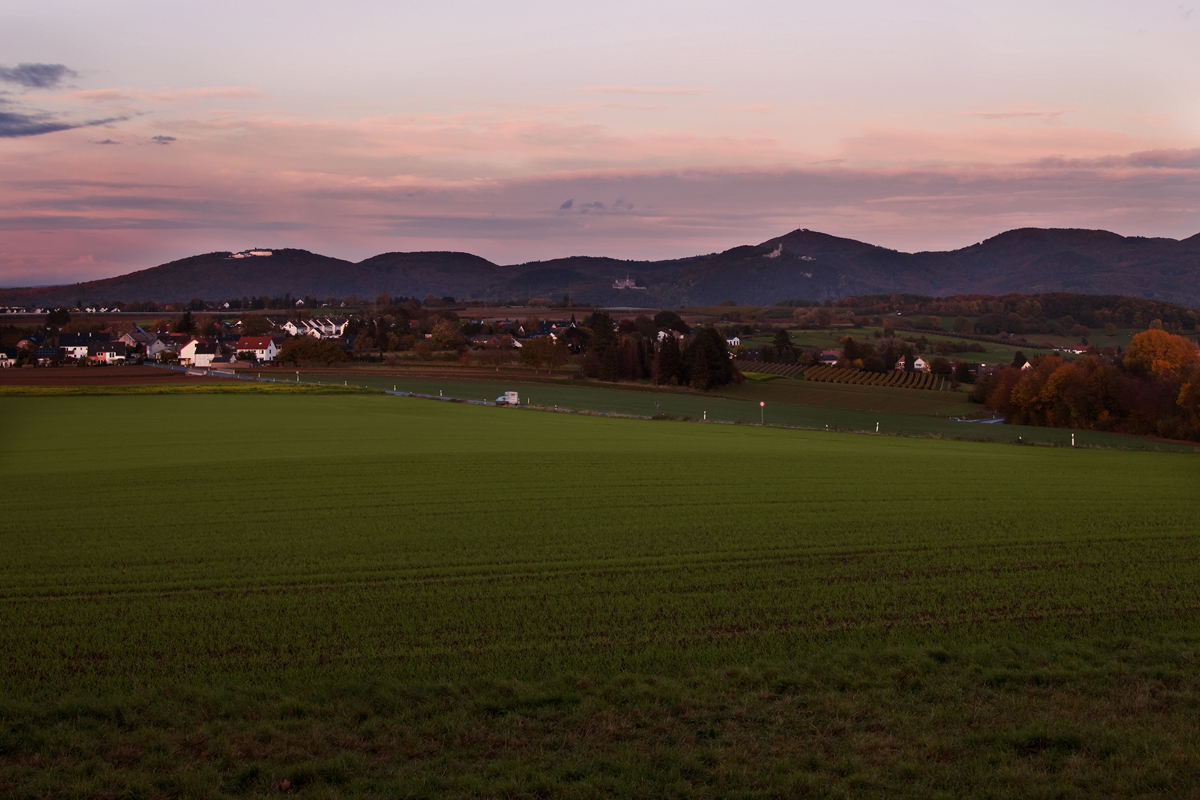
{"x": 496, "y": 185}
{"x": 162, "y": 95}
{"x": 1046, "y": 117}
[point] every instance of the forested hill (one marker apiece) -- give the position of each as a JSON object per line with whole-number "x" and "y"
{"x": 800, "y": 264}
{"x": 818, "y": 266}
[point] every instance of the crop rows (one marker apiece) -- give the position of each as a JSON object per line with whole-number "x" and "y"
{"x": 898, "y": 379}
{"x": 788, "y": 370}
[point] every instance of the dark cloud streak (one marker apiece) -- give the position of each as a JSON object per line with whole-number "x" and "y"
{"x": 37, "y": 76}
{"x": 14, "y": 124}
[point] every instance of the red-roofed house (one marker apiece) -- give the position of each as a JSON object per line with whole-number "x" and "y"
{"x": 263, "y": 347}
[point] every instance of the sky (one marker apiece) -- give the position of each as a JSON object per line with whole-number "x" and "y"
{"x": 134, "y": 133}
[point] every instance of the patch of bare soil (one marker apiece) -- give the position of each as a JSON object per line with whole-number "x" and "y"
{"x": 95, "y": 376}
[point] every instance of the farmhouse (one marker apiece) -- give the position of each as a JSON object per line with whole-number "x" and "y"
{"x": 8, "y": 357}
{"x": 263, "y": 348}
{"x": 733, "y": 341}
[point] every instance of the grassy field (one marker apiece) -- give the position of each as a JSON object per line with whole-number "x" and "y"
{"x": 828, "y": 339}
{"x": 355, "y": 594}
{"x": 786, "y": 405}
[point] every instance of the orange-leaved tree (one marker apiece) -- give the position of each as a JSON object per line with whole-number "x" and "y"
{"x": 1156, "y": 352}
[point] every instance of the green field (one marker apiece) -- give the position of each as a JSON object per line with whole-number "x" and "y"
{"x": 800, "y": 404}
{"x": 210, "y": 595}
{"x": 888, "y": 400}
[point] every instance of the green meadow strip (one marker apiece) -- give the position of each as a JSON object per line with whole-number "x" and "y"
{"x": 240, "y": 387}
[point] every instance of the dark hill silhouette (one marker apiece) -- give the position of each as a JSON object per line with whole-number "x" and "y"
{"x": 438, "y": 273}
{"x": 1027, "y": 260}
{"x": 800, "y": 264}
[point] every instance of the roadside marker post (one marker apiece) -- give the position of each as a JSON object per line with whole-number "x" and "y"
{"x": 762, "y": 412}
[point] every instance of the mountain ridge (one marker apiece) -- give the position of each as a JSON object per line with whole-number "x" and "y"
{"x": 799, "y": 264}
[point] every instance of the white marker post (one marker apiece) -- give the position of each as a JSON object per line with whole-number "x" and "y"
{"x": 762, "y": 413}
{"x": 877, "y": 427}
{"x": 1072, "y": 440}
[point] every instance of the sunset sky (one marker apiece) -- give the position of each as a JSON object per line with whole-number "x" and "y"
{"x": 133, "y": 133}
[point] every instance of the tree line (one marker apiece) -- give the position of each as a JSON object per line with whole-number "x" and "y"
{"x": 1153, "y": 388}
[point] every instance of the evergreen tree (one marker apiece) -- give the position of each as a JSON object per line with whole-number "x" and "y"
{"x": 185, "y": 324}
{"x": 718, "y": 369}
{"x": 782, "y": 345}
{"x": 669, "y": 362}
{"x": 698, "y": 374}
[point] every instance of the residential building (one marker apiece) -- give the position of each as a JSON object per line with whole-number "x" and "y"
{"x": 263, "y": 348}
{"x": 204, "y": 354}
{"x": 107, "y": 353}
{"x": 75, "y": 345}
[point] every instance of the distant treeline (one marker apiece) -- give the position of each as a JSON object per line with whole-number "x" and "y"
{"x": 1153, "y": 388}
{"x": 1094, "y": 311}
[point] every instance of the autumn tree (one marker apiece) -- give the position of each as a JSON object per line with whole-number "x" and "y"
{"x": 445, "y": 336}
{"x": 544, "y": 351}
{"x": 1156, "y": 352}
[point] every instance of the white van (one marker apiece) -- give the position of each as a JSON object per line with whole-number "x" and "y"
{"x": 509, "y": 399}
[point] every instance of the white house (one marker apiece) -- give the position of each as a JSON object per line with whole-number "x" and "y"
{"x": 262, "y": 347}
{"x": 733, "y": 341}
{"x": 316, "y": 328}
{"x": 918, "y": 366}
{"x": 107, "y": 353}
{"x": 156, "y": 346}
{"x": 75, "y": 345}
{"x": 204, "y": 354}
{"x": 8, "y": 358}
{"x": 187, "y": 353}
